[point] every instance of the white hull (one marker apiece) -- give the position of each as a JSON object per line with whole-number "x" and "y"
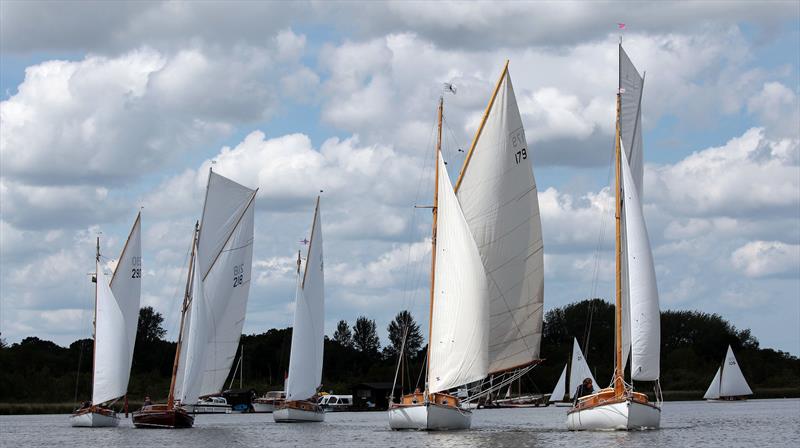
{"x": 292, "y": 415}
{"x": 93, "y": 420}
{"x": 562, "y": 404}
{"x": 430, "y": 417}
{"x": 615, "y": 416}
{"x": 263, "y": 407}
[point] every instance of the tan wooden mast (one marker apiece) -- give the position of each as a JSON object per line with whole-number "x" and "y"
{"x": 94, "y": 320}
{"x": 480, "y": 127}
{"x": 187, "y": 298}
{"x": 433, "y": 238}
{"x": 619, "y": 383}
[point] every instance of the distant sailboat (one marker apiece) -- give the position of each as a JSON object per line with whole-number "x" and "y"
{"x": 729, "y": 383}
{"x": 575, "y": 371}
{"x": 116, "y": 319}
{"x": 638, "y": 324}
{"x": 214, "y": 303}
{"x": 308, "y": 335}
{"x": 487, "y": 276}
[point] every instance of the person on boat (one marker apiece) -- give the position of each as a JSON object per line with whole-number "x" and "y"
{"x": 86, "y": 404}
{"x": 147, "y": 401}
{"x": 584, "y": 389}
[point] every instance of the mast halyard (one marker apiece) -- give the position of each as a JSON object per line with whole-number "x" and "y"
{"x": 619, "y": 383}
{"x": 186, "y": 302}
{"x": 433, "y": 237}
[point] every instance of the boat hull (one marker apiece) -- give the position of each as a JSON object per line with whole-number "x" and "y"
{"x": 105, "y": 418}
{"x": 298, "y": 412}
{"x": 429, "y": 417}
{"x": 160, "y": 416}
{"x": 623, "y": 415}
{"x": 263, "y": 407}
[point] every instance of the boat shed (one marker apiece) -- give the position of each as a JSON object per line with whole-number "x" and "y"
{"x": 372, "y": 396}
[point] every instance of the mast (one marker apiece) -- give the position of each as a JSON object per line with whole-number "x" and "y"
{"x": 94, "y": 320}
{"x": 619, "y": 384}
{"x": 433, "y": 236}
{"x": 186, "y": 301}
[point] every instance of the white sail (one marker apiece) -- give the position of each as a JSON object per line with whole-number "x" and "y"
{"x": 499, "y": 200}
{"x": 460, "y": 316}
{"x": 561, "y": 387}
{"x": 579, "y": 369}
{"x": 713, "y": 388}
{"x": 219, "y": 303}
{"x": 732, "y": 382}
{"x": 308, "y": 330}
{"x": 631, "y": 86}
{"x": 645, "y": 317}
{"x": 117, "y": 320}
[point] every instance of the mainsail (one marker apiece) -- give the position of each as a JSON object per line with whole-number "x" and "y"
{"x": 459, "y": 334}
{"x": 732, "y": 382}
{"x": 222, "y": 284}
{"x": 116, "y": 320}
{"x": 498, "y": 196}
{"x": 308, "y": 330}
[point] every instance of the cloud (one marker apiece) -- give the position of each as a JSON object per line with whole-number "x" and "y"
{"x": 778, "y": 108}
{"x": 766, "y": 258}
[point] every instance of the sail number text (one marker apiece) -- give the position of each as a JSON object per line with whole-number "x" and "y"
{"x": 136, "y": 270}
{"x": 238, "y": 275}
{"x": 518, "y": 142}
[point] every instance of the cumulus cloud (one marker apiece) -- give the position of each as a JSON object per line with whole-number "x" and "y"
{"x": 765, "y": 258}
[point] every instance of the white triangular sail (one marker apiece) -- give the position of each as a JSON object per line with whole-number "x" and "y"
{"x": 499, "y": 200}
{"x": 579, "y": 369}
{"x": 645, "y": 317}
{"x": 732, "y": 382}
{"x": 631, "y": 86}
{"x": 460, "y": 316}
{"x": 308, "y": 330}
{"x": 561, "y": 387}
{"x": 117, "y": 320}
{"x": 219, "y": 303}
{"x": 713, "y": 388}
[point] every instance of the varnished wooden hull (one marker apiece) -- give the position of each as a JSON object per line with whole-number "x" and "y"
{"x": 160, "y": 416}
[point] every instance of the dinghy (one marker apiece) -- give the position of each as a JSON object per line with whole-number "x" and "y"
{"x": 214, "y": 303}
{"x": 308, "y": 335}
{"x": 637, "y": 313}
{"x": 729, "y": 383}
{"x": 575, "y": 371}
{"x": 115, "y": 323}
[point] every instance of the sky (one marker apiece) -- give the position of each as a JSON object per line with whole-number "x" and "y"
{"x": 109, "y": 107}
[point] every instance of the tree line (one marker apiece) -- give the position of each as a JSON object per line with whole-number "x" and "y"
{"x": 693, "y": 345}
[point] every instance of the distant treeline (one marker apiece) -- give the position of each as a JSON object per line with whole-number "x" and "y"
{"x": 693, "y": 345}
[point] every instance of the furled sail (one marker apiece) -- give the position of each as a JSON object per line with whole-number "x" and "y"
{"x": 732, "y": 382}
{"x": 498, "y": 196}
{"x": 460, "y": 315}
{"x": 561, "y": 387}
{"x": 645, "y": 317}
{"x": 713, "y": 388}
{"x": 579, "y": 369}
{"x": 117, "y": 320}
{"x": 308, "y": 330}
{"x": 222, "y": 284}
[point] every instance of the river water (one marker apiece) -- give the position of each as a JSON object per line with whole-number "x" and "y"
{"x": 754, "y": 423}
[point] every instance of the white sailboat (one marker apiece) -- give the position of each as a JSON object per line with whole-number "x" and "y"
{"x": 308, "y": 333}
{"x": 729, "y": 383}
{"x": 575, "y": 371}
{"x": 214, "y": 305}
{"x": 487, "y": 279}
{"x": 116, "y": 319}
{"x": 637, "y": 313}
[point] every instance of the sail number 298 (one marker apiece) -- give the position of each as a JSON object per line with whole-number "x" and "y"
{"x": 518, "y": 143}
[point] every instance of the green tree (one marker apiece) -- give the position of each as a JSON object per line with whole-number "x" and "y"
{"x": 149, "y": 328}
{"x": 343, "y": 335}
{"x": 403, "y": 325}
{"x": 365, "y": 336}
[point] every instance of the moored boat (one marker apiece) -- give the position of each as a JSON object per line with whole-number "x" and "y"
{"x": 728, "y": 384}
{"x": 269, "y": 401}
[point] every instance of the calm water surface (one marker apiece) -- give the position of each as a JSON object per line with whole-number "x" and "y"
{"x": 756, "y": 423}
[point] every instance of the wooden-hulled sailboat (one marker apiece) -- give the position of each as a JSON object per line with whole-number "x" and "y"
{"x": 496, "y": 213}
{"x": 308, "y": 335}
{"x": 214, "y": 302}
{"x": 729, "y": 383}
{"x": 115, "y": 322}
{"x": 575, "y": 371}
{"x": 638, "y": 324}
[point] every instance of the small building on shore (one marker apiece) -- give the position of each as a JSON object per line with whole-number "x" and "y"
{"x": 373, "y": 396}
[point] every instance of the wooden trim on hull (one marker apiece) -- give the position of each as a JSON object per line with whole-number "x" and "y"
{"x": 609, "y": 396}
{"x": 161, "y": 416}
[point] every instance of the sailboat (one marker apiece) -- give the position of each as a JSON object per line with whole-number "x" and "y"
{"x": 308, "y": 333}
{"x": 729, "y": 383}
{"x": 575, "y": 371}
{"x": 214, "y": 302}
{"x": 487, "y": 276}
{"x": 638, "y": 321}
{"x": 116, "y": 316}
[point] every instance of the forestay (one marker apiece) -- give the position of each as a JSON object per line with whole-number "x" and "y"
{"x": 219, "y": 302}
{"x": 579, "y": 369}
{"x": 305, "y": 360}
{"x": 459, "y": 328}
{"x": 116, "y": 320}
{"x": 498, "y": 196}
{"x": 645, "y": 317}
{"x": 732, "y": 382}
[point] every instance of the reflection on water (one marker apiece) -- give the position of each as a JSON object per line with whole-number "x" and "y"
{"x": 753, "y": 423}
